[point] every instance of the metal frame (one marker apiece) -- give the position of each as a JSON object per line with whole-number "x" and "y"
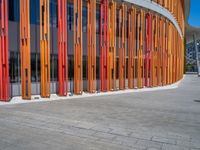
{"x": 4, "y": 65}
{"x": 78, "y": 52}
{"x": 45, "y": 48}
{"x": 62, "y": 48}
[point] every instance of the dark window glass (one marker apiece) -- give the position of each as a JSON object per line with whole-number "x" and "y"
{"x": 35, "y": 12}
{"x": 14, "y": 67}
{"x": 84, "y": 19}
{"x": 70, "y": 16}
{"x": 54, "y": 67}
{"x": 53, "y": 13}
{"x": 13, "y": 10}
{"x": 35, "y": 67}
{"x": 97, "y": 21}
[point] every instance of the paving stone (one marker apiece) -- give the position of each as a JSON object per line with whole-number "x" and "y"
{"x": 153, "y": 149}
{"x": 128, "y": 141}
{"x": 104, "y": 135}
{"x": 141, "y": 136}
{"x": 101, "y": 128}
{"x": 167, "y": 120}
{"x": 149, "y": 144}
{"x": 173, "y": 147}
{"x": 121, "y": 131}
{"x": 164, "y": 140}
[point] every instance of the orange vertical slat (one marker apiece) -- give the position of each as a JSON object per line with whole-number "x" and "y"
{"x": 44, "y": 48}
{"x": 78, "y": 79}
{"x": 25, "y": 49}
{"x": 141, "y": 27}
{"x": 131, "y": 47}
{"x": 122, "y": 46}
{"x": 91, "y": 46}
{"x": 112, "y": 46}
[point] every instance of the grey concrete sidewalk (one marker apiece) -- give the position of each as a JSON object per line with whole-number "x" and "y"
{"x": 166, "y": 120}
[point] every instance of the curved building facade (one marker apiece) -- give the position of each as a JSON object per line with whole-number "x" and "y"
{"x": 75, "y": 46}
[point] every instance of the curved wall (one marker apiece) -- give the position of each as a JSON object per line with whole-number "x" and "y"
{"x": 112, "y": 44}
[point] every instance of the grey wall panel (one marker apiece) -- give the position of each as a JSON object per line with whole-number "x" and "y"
{"x": 13, "y": 36}
{"x": 84, "y": 44}
{"x": 70, "y": 42}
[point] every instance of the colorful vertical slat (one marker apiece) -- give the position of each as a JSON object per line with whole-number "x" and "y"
{"x": 78, "y": 79}
{"x": 103, "y": 45}
{"x": 140, "y": 48}
{"x": 148, "y": 51}
{"x": 44, "y": 48}
{"x": 25, "y": 49}
{"x": 131, "y": 47}
{"x": 122, "y": 46}
{"x": 91, "y": 46}
{"x": 4, "y": 67}
{"x": 112, "y": 46}
{"x": 62, "y": 48}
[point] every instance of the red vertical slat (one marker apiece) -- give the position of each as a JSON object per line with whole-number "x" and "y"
{"x": 148, "y": 50}
{"x": 103, "y": 44}
{"x": 62, "y": 48}
{"x": 4, "y": 70}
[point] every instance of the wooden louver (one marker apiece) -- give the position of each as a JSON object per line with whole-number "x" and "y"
{"x": 4, "y": 65}
{"x": 44, "y": 48}
{"x": 112, "y": 46}
{"x": 78, "y": 79}
{"x": 122, "y": 46}
{"x": 25, "y": 49}
{"x": 131, "y": 47}
{"x": 103, "y": 45}
{"x": 62, "y": 48}
{"x": 91, "y": 46}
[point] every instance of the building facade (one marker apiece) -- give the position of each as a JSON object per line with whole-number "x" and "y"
{"x": 191, "y": 56}
{"x": 75, "y": 46}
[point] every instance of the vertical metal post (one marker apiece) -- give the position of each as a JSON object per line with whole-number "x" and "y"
{"x": 44, "y": 48}
{"x": 25, "y": 49}
{"x": 91, "y": 46}
{"x": 78, "y": 64}
{"x": 62, "y": 48}
{"x": 4, "y": 65}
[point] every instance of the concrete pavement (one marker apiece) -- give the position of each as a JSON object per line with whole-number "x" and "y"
{"x": 155, "y": 120}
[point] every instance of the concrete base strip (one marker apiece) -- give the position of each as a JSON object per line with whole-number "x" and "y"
{"x": 55, "y": 97}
